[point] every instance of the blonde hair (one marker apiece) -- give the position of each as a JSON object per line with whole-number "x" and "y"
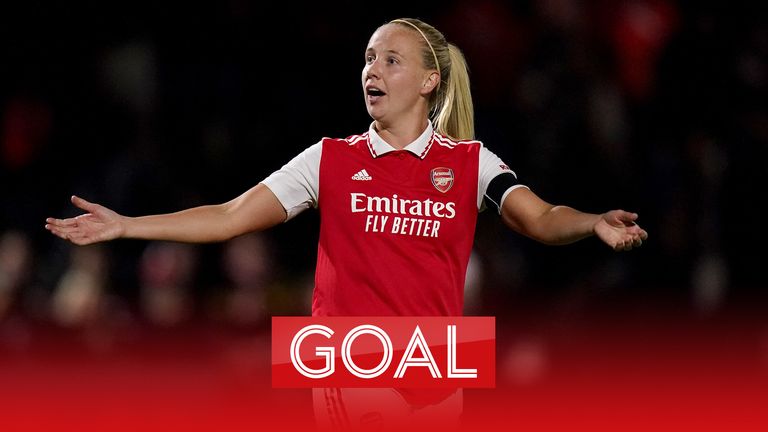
{"x": 450, "y": 104}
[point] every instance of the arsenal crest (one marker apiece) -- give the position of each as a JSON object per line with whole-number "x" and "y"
{"x": 442, "y": 179}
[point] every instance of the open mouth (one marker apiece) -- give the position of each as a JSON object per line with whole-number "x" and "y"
{"x": 374, "y": 92}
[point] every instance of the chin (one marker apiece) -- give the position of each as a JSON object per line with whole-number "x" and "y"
{"x": 374, "y": 113}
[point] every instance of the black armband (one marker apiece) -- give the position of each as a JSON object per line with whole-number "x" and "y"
{"x": 496, "y": 189}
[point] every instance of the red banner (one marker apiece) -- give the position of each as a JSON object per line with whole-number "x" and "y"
{"x": 401, "y": 352}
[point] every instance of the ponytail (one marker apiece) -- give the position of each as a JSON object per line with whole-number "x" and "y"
{"x": 453, "y": 113}
{"x": 450, "y": 104}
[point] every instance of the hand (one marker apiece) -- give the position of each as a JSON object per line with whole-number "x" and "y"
{"x": 617, "y": 228}
{"x": 98, "y": 225}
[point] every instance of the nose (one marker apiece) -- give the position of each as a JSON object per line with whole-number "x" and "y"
{"x": 372, "y": 70}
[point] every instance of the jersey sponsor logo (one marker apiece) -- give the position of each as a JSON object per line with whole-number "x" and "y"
{"x": 360, "y": 202}
{"x": 442, "y": 179}
{"x": 505, "y": 167}
{"x": 362, "y": 175}
{"x": 426, "y": 222}
{"x": 415, "y": 352}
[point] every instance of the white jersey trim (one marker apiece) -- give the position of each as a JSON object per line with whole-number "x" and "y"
{"x": 419, "y": 147}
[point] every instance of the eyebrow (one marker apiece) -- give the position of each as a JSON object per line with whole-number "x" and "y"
{"x": 388, "y": 51}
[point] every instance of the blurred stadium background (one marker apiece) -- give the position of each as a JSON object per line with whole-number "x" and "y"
{"x": 654, "y": 106}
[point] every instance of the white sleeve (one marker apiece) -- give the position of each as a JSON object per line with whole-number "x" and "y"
{"x": 492, "y": 166}
{"x": 296, "y": 184}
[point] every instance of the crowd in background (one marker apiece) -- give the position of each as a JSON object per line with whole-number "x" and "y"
{"x": 654, "y": 106}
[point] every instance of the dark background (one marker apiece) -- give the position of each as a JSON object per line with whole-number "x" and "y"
{"x": 657, "y": 107}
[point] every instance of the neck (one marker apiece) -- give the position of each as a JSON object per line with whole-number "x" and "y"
{"x": 402, "y": 133}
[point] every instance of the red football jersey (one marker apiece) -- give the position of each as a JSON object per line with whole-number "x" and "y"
{"x": 396, "y": 229}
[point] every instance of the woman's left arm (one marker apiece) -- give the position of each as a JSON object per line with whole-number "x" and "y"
{"x": 526, "y": 213}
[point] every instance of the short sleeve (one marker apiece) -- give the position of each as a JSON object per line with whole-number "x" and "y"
{"x": 296, "y": 184}
{"x": 495, "y": 181}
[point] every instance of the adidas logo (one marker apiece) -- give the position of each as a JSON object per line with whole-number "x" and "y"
{"x": 362, "y": 175}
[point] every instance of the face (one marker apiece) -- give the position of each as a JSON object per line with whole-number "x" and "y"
{"x": 395, "y": 80}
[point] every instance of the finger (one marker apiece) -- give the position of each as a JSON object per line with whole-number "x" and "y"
{"x": 636, "y": 232}
{"x": 62, "y": 222}
{"x": 59, "y": 234}
{"x": 62, "y": 231}
{"x": 69, "y": 230}
{"x": 627, "y": 218}
{"x": 623, "y": 245}
{"x": 627, "y": 215}
{"x": 619, "y": 218}
{"x": 83, "y": 204}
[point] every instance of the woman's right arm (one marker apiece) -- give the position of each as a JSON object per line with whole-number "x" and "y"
{"x": 256, "y": 209}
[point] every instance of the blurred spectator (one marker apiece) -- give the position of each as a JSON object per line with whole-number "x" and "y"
{"x": 78, "y": 299}
{"x": 167, "y": 277}
{"x": 249, "y": 270}
{"x": 710, "y": 283}
{"x": 16, "y": 257}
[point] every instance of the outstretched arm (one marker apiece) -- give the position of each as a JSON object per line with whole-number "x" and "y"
{"x": 254, "y": 210}
{"x": 529, "y": 215}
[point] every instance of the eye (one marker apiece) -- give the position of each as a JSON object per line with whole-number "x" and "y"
{"x": 392, "y": 60}
{"x": 369, "y": 58}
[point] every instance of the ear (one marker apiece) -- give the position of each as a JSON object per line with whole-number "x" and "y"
{"x": 430, "y": 82}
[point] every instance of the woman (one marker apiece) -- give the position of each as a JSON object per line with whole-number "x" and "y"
{"x": 398, "y": 204}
